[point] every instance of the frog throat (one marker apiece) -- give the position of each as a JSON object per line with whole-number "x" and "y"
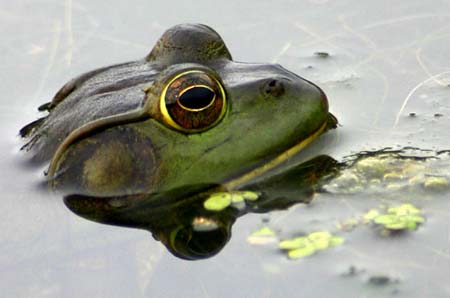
{"x": 239, "y": 181}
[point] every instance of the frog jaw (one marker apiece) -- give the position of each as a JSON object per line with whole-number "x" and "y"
{"x": 276, "y": 161}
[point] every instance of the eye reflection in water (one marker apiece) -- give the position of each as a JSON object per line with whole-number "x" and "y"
{"x": 188, "y": 227}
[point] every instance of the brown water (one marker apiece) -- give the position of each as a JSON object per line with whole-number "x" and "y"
{"x": 387, "y": 60}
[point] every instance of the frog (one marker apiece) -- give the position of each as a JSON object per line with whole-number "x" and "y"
{"x": 185, "y": 114}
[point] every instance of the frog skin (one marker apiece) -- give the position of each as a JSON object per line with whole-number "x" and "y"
{"x": 185, "y": 114}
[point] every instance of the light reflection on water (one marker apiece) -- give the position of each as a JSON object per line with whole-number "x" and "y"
{"x": 46, "y": 251}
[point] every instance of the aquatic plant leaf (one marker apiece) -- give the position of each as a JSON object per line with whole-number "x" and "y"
{"x": 221, "y": 200}
{"x": 386, "y": 219}
{"x": 370, "y": 215}
{"x": 301, "y": 252}
{"x": 404, "y": 209}
{"x": 436, "y": 183}
{"x": 405, "y": 216}
{"x": 264, "y": 231}
{"x": 264, "y": 235}
{"x": 321, "y": 239}
{"x": 300, "y": 247}
{"x": 217, "y": 201}
{"x": 294, "y": 243}
{"x": 336, "y": 241}
{"x": 248, "y": 195}
{"x": 399, "y": 225}
{"x": 236, "y": 198}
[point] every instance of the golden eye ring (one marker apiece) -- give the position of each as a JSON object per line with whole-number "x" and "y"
{"x": 193, "y": 101}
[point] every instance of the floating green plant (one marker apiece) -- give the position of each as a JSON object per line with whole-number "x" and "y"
{"x": 217, "y": 201}
{"x": 263, "y": 232}
{"x": 371, "y": 215}
{"x": 221, "y": 200}
{"x": 402, "y": 217}
{"x": 436, "y": 183}
{"x": 262, "y": 236}
{"x": 304, "y": 246}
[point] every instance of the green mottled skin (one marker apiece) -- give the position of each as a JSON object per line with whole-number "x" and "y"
{"x": 259, "y": 123}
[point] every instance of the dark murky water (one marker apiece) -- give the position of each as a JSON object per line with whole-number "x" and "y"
{"x": 387, "y": 78}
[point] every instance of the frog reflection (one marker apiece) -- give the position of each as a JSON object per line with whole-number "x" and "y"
{"x": 190, "y": 229}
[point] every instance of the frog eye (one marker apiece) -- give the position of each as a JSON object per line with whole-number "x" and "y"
{"x": 193, "y": 101}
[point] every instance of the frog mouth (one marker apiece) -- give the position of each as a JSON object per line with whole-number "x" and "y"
{"x": 330, "y": 123}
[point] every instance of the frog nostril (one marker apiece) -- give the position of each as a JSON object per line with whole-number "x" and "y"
{"x": 274, "y": 88}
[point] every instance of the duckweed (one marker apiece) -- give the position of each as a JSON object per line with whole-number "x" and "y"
{"x": 402, "y": 217}
{"x": 388, "y": 172}
{"x": 436, "y": 183}
{"x": 220, "y": 200}
{"x": 370, "y": 215}
{"x": 217, "y": 201}
{"x": 304, "y": 246}
{"x": 264, "y": 235}
{"x": 372, "y": 167}
{"x": 264, "y": 231}
{"x": 306, "y": 249}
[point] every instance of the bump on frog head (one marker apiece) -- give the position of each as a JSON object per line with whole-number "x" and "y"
{"x": 189, "y": 43}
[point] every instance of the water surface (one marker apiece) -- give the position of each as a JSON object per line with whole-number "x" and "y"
{"x": 387, "y": 79}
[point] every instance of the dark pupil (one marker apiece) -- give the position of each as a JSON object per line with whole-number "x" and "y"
{"x": 196, "y": 98}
